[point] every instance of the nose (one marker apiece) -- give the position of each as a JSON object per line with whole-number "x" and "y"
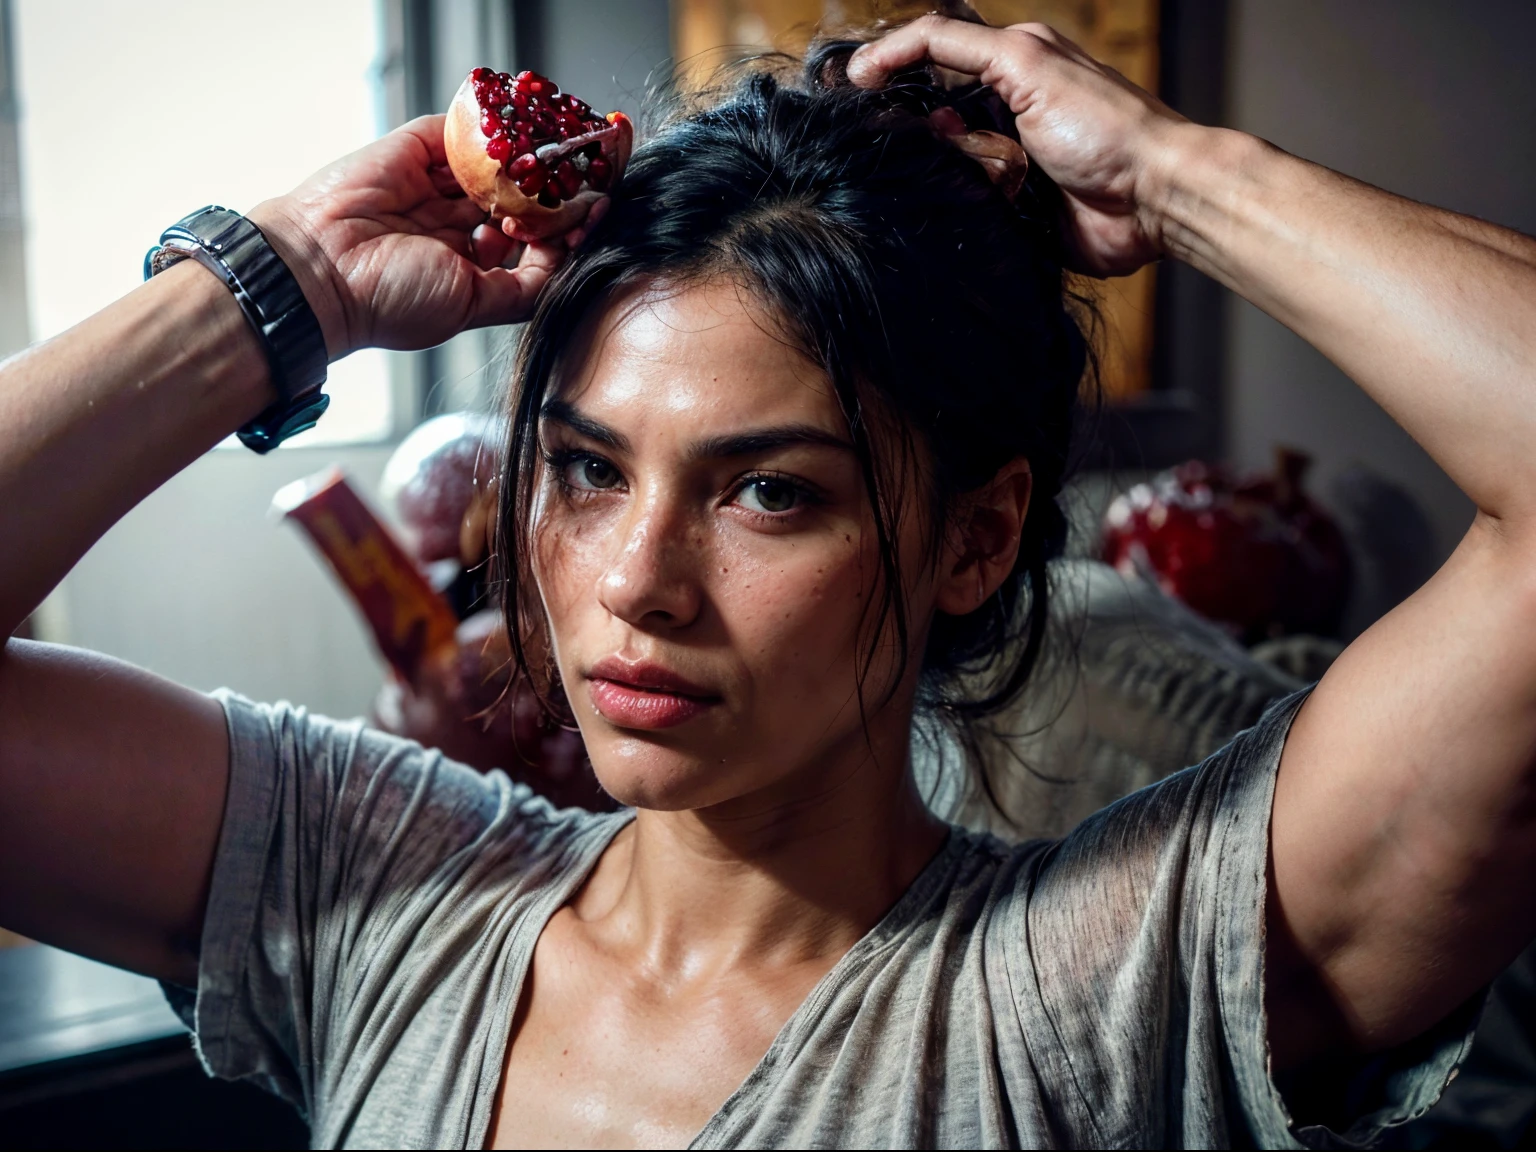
{"x": 651, "y": 581}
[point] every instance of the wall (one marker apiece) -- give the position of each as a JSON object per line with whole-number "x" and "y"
{"x": 608, "y": 51}
{"x": 199, "y": 584}
{"x": 1432, "y": 100}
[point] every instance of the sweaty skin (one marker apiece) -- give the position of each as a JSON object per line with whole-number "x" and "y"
{"x": 669, "y": 537}
{"x": 1404, "y": 820}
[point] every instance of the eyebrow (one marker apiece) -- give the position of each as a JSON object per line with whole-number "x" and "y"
{"x": 748, "y": 443}
{"x": 562, "y": 412}
{"x": 758, "y": 440}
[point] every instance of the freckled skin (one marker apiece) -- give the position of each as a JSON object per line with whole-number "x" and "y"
{"x": 764, "y": 613}
{"x": 777, "y": 827}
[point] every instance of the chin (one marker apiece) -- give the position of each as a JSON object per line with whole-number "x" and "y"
{"x": 641, "y": 773}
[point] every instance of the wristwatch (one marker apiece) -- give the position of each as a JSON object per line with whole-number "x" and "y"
{"x": 237, "y": 252}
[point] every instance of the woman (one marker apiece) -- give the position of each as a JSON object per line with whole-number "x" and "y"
{"x": 756, "y": 537}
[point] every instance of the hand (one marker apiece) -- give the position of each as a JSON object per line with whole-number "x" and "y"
{"x": 1102, "y": 139}
{"x": 391, "y": 254}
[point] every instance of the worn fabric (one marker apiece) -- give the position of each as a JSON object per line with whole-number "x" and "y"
{"x": 374, "y": 909}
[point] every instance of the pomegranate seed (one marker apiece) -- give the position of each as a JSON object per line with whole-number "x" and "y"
{"x": 570, "y": 124}
{"x": 482, "y": 74}
{"x": 568, "y": 179}
{"x": 544, "y": 122}
{"x": 599, "y": 173}
{"x": 498, "y": 148}
{"x": 533, "y": 183}
{"x": 523, "y": 165}
{"x": 523, "y": 127}
{"x": 523, "y": 143}
{"x": 490, "y": 123}
{"x": 580, "y": 107}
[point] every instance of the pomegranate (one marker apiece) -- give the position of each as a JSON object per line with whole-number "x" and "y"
{"x": 439, "y": 481}
{"x": 1257, "y": 555}
{"x": 521, "y": 148}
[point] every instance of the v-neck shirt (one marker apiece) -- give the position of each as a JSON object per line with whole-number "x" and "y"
{"x": 375, "y": 907}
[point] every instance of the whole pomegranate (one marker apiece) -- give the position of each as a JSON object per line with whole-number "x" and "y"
{"x": 1257, "y": 555}
{"x": 521, "y": 148}
{"x": 440, "y": 483}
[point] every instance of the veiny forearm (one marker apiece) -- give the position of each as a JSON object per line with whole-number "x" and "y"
{"x": 1433, "y": 314}
{"x": 94, "y": 420}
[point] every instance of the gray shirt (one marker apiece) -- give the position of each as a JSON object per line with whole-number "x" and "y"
{"x": 375, "y": 907}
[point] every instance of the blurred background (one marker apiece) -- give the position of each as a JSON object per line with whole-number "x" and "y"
{"x": 118, "y": 117}
{"x": 107, "y": 135}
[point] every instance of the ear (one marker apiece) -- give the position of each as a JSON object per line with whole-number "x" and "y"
{"x": 983, "y": 543}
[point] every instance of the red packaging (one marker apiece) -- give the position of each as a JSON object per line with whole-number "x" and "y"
{"x": 411, "y": 623}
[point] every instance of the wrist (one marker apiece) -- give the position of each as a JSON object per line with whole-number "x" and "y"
{"x": 198, "y": 314}
{"x": 1192, "y": 185}
{"x": 283, "y": 226}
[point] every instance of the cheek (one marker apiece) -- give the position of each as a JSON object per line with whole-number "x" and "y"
{"x": 568, "y": 557}
{"x": 795, "y": 616}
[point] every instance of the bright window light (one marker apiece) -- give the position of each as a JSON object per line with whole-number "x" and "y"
{"x": 134, "y": 114}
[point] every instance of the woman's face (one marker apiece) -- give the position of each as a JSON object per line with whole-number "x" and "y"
{"x": 705, "y": 552}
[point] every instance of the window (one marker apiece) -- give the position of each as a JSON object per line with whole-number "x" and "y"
{"x": 134, "y": 114}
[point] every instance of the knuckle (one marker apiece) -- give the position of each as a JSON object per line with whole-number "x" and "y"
{"x": 1034, "y": 32}
{"x": 925, "y": 24}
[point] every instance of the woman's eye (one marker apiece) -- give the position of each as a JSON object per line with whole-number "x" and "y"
{"x": 592, "y": 473}
{"x": 768, "y": 495}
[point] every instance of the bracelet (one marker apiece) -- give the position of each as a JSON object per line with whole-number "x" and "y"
{"x": 237, "y": 252}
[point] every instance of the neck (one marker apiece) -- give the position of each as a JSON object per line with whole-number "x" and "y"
{"x": 795, "y": 874}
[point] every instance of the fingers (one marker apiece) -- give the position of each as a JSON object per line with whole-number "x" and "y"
{"x": 956, "y": 44}
{"x": 429, "y": 130}
{"x": 572, "y": 216}
{"x": 540, "y": 259}
{"x": 507, "y": 295}
{"x": 445, "y": 182}
{"x": 492, "y": 248}
{"x": 575, "y": 238}
{"x": 1056, "y": 40}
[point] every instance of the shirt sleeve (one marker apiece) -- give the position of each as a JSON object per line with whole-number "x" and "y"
{"x": 1145, "y": 930}
{"x": 342, "y": 849}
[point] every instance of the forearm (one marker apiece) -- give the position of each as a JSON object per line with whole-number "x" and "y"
{"x": 94, "y": 420}
{"x": 1433, "y": 314}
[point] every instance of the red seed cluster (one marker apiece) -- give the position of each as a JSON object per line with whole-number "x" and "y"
{"x": 521, "y": 114}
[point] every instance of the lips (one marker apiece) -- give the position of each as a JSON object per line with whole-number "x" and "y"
{"x": 644, "y": 695}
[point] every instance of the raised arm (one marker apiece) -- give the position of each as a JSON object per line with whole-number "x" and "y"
{"x": 1404, "y": 828}
{"x": 112, "y": 780}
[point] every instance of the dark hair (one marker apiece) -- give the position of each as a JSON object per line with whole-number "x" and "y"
{"x": 938, "y": 308}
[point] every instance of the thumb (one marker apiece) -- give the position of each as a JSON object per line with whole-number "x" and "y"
{"x": 508, "y": 295}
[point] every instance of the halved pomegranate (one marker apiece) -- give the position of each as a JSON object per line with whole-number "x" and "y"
{"x": 521, "y": 148}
